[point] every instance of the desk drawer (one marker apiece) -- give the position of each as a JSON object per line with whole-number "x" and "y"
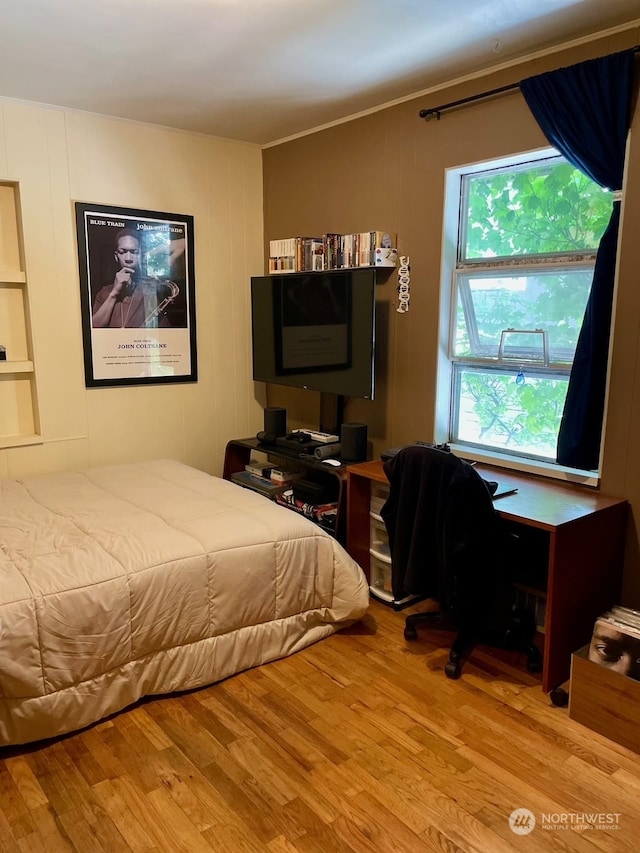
{"x": 379, "y": 495}
{"x": 379, "y": 538}
{"x": 380, "y": 577}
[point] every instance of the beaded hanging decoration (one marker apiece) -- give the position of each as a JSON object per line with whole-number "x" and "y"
{"x": 404, "y": 280}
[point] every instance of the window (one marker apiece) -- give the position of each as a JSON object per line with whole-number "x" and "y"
{"x": 525, "y": 237}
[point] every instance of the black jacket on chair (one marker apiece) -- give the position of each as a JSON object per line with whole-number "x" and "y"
{"x": 445, "y": 537}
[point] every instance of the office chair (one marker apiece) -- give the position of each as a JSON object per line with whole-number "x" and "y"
{"x": 448, "y": 543}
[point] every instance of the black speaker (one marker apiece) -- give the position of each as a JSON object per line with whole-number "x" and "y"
{"x": 275, "y": 421}
{"x": 325, "y": 451}
{"x": 353, "y": 438}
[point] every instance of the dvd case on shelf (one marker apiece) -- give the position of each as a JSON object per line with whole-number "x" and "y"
{"x": 257, "y": 483}
{"x": 333, "y": 251}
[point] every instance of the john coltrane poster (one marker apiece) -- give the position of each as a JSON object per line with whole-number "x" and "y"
{"x": 138, "y": 295}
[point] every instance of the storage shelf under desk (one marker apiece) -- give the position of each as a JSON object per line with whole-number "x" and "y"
{"x": 582, "y": 535}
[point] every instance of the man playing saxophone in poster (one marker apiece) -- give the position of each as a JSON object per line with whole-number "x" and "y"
{"x": 131, "y": 301}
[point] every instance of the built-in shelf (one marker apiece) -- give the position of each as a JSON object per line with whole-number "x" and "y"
{"x": 16, "y": 367}
{"x": 12, "y": 277}
{"x": 19, "y": 417}
{"x": 19, "y": 440}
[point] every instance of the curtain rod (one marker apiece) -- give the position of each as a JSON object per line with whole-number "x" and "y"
{"x": 434, "y": 112}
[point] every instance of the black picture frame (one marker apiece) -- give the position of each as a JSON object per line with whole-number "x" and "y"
{"x": 137, "y": 298}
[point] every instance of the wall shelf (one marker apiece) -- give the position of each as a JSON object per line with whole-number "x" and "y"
{"x": 19, "y": 419}
{"x": 12, "y": 276}
{"x": 19, "y": 440}
{"x": 16, "y": 367}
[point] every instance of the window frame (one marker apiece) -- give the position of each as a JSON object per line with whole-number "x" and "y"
{"x": 575, "y": 262}
{"x": 451, "y": 269}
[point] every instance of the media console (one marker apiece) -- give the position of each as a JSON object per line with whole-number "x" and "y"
{"x": 239, "y": 451}
{"x": 572, "y": 551}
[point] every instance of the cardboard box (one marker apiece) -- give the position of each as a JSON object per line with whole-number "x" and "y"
{"x": 605, "y": 701}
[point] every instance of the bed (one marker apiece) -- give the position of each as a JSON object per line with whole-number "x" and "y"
{"x": 131, "y": 580}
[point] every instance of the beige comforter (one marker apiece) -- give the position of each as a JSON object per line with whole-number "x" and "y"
{"x": 129, "y": 580}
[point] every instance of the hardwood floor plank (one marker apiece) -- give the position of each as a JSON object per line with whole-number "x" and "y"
{"x": 84, "y": 761}
{"x": 52, "y": 831}
{"x": 193, "y": 792}
{"x": 251, "y": 809}
{"x": 258, "y": 759}
{"x": 539, "y": 841}
{"x": 26, "y": 783}
{"x": 234, "y": 839}
{"x": 231, "y": 721}
{"x": 149, "y": 727}
{"x": 80, "y": 833}
{"x": 208, "y": 720}
{"x": 37, "y": 843}
{"x": 178, "y": 724}
{"x": 291, "y": 714}
{"x": 419, "y": 802}
{"x": 13, "y": 805}
{"x": 123, "y": 817}
{"x": 303, "y": 783}
{"x": 8, "y": 841}
{"x": 260, "y": 727}
{"x": 603, "y": 753}
{"x": 110, "y": 766}
{"x": 172, "y": 825}
{"x": 439, "y": 833}
{"x": 281, "y": 845}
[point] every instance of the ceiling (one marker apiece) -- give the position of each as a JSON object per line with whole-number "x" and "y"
{"x": 264, "y": 70}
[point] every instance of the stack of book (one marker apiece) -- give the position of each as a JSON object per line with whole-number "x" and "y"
{"x": 266, "y": 479}
{"x": 282, "y": 477}
{"x": 263, "y": 485}
{"x": 365, "y": 249}
{"x": 332, "y": 252}
{"x": 296, "y": 254}
{"x": 282, "y": 255}
{"x": 260, "y": 469}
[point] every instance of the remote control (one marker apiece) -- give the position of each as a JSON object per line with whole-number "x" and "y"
{"x": 322, "y": 437}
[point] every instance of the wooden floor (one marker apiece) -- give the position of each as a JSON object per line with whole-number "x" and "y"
{"x": 359, "y": 743}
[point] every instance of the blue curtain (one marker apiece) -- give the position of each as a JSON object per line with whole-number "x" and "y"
{"x": 585, "y": 111}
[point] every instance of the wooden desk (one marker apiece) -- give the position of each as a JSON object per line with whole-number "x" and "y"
{"x": 582, "y": 537}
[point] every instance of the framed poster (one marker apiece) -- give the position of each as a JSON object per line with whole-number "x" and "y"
{"x": 137, "y": 294}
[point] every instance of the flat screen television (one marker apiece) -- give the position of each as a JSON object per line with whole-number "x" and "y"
{"x": 316, "y": 330}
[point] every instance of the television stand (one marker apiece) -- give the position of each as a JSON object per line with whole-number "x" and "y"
{"x": 239, "y": 451}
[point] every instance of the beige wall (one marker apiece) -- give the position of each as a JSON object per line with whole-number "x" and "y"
{"x": 386, "y": 171}
{"x": 59, "y": 157}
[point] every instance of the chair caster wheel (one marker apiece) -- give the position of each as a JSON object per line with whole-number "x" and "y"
{"x": 559, "y": 697}
{"x": 410, "y": 633}
{"x": 452, "y": 669}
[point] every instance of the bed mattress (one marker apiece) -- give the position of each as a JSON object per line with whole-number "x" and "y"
{"x": 130, "y": 580}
